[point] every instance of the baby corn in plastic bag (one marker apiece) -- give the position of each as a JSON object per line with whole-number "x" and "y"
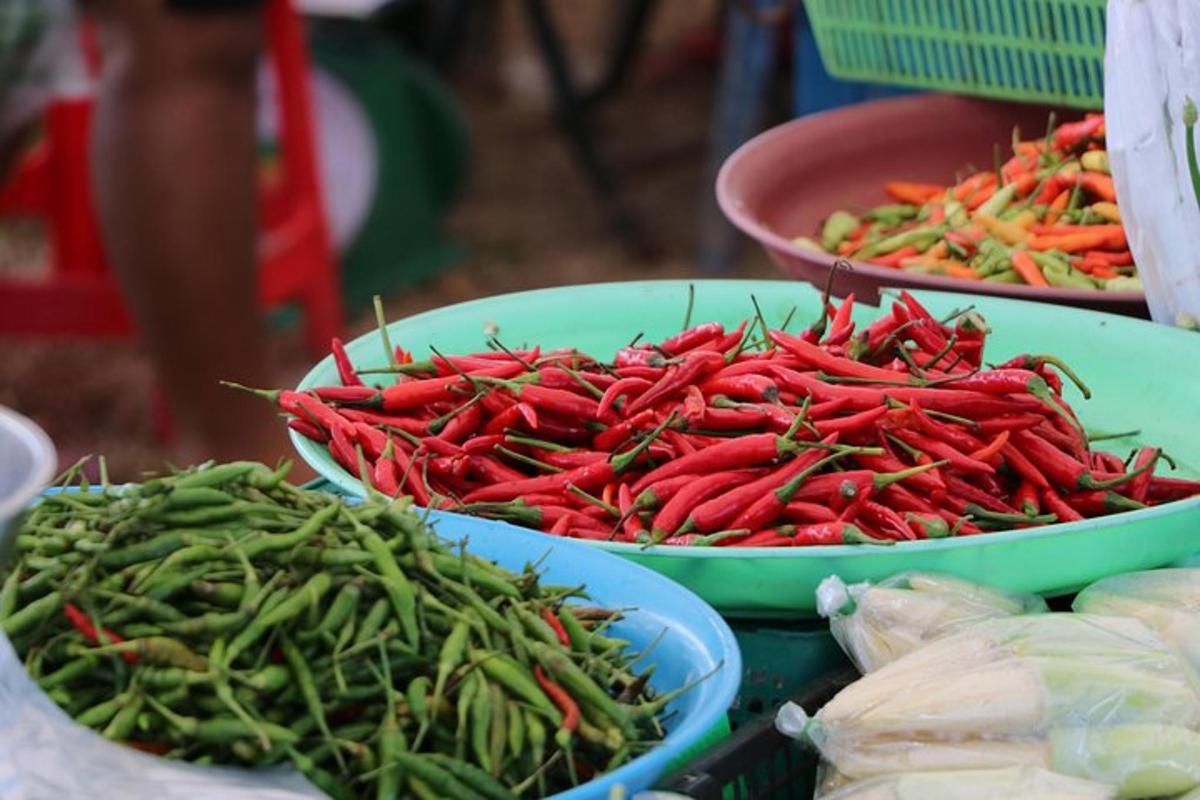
{"x": 1100, "y": 698}
{"x": 1167, "y": 600}
{"x": 877, "y": 623}
{"x": 1010, "y": 783}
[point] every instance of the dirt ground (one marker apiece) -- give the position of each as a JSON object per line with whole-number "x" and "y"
{"x": 527, "y": 221}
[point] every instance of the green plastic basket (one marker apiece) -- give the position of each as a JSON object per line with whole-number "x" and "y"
{"x": 1038, "y": 51}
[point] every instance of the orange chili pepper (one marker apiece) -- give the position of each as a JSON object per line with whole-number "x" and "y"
{"x": 1057, "y": 205}
{"x": 916, "y": 194}
{"x": 1082, "y": 240}
{"x": 1028, "y": 269}
{"x": 990, "y": 451}
{"x": 893, "y": 259}
{"x": 1098, "y": 184}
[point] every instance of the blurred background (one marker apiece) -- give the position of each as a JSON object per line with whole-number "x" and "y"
{"x": 461, "y": 148}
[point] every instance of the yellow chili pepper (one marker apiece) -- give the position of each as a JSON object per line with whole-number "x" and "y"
{"x": 1108, "y": 211}
{"x": 1006, "y": 232}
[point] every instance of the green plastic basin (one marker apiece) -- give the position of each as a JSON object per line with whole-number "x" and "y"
{"x": 1142, "y": 376}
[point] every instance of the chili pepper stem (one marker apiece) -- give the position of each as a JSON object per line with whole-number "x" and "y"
{"x": 381, "y": 323}
{"x": 1086, "y": 481}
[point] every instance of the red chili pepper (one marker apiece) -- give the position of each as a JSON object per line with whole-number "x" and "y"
{"x": 1057, "y": 506}
{"x": 1098, "y": 503}
{"x": 358, "y": 393}
{"x": 414, "y": 394}
{"x": 827, "y": 533}
{"x": 342, "y": 449}
{"x": 557, "y": 626}
{"x": 923, "y": 479}
{"x": 960, "y": 402}
{"x": 1139, "y": 488}
{"x": 849, "y": 499}
{"x": 308, "y": 430}
{"x": 413, "y": 425}
{"x": 560, "y": 697}
{"x": 660, "y": 492}
{"x": 587, "y": 478}
{"x": 571, "y": 459}
{"x": 384, "y": 478}
{"x": 993, "y": 448}
{"x": 614, "y": 436}
{"x": 1070, "y": 134}
{"x": 308, "y": 407}
{"x": 941, "y": 450}
{"x": 1164, "y": 489}
{"x": 850, "y": 424}
{"x": 631, "y": 523}
{"x": 1062, "y": 468}
{"x": 674, "y": 513}
{"x": 372, "y": 440}
{"x": 1008, "y": 422}
{"x": 693, "y": 337}
{"x": 902, "y": 499}
{"x": 1023, "y": 466}
{"x": 341, "y": 360}
{"x": 715, "y": 513}
{"x": 624, "y": 386}
{"x": 83, "y": 623}
{"x": 732, "y": 419}
{"x": 640, "y": 356}
{"x": 801, "y": 511}
{"x": 695, "y": 366}
{"x": 887, "y": 520}
{"x": 749, "y": 387}
{"x": 463, "y": 424}
{"x": 745, "y": 451}
{"x": 841, "y": 327}
{"x": 817, "y": 358}
{"x": 979, "y": 497}
{"x": 407, "y": 469}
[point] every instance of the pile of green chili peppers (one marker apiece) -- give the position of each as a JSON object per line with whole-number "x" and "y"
{"x": 221, "y": 615}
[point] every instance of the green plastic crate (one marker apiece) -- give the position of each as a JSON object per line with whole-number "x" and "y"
{"x": 1038, "y": 51}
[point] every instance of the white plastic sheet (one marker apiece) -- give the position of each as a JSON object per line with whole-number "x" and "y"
{"x": 44, "y": 755}
{"x": 1151, "y": 73}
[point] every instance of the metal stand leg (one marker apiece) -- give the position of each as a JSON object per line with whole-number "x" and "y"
{"x": 572, "y": 113}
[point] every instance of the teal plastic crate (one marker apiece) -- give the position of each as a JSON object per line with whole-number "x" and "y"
{"x": 1037, "y": 51}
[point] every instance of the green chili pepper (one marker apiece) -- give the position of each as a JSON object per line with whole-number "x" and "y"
{"x": 322, "y": 779}
{"x": 9, "y": 593}
{"x": 33, "y": 614}
{"x": 581, "y": 686}
{"x": 373, "y": 621}
{"x": 920, "y": 238}
{"x": 1007, "y": 276}
{"x": 399, "y": 589}
{"x": 514, "y": 677}
{"x": 121, "y": 726}
{"x": 998, "y": 201}
{"x": 837, "y": 227}
{"x": 295, "y": 605}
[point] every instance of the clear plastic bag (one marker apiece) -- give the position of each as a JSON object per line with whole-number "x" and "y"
{"x": 1151, "y": 75}
{"x": 1167, "y": 600}
{"x": 47, "y": 756}
{"x": 1011, "y": 783}
{"x": 877, "y": 623}
{"x": 1094, "y": 697}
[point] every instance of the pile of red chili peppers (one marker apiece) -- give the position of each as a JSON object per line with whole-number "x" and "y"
{"x": 751, "y": 437}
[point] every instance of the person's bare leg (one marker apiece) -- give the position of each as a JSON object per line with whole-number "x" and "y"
{"x": 174, "y": 173}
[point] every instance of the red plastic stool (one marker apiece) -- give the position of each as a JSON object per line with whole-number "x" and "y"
{"x": 79, "y": 296}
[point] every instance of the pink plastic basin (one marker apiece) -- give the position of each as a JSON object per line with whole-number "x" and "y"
{"x": 784, "y": 182}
